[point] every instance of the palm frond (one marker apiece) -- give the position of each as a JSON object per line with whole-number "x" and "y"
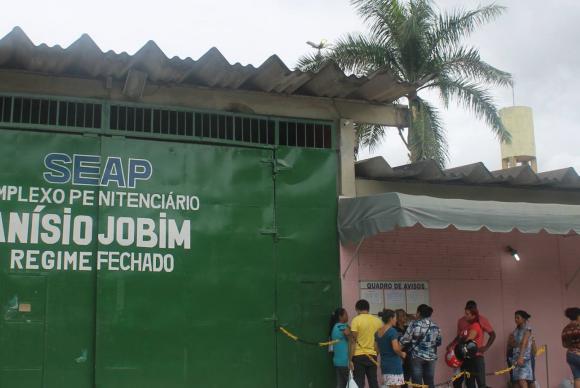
{"x": 361, "y": 55}
{"x": 451, "y": 27}
{"x": 467, "y": 63}
{"x": 415, "y": 38}
{"x": 477, "y": 99}
{"x": 369, "y": 136}
{"x": 311, "y": 62}
{"x": 427, "y": 138}
{"x": 385, "y": 18}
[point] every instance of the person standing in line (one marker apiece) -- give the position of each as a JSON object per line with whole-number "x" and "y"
{"x": 462, "y": 325}
{"x": 362, "y": 350}
{"x": 389, "y": 347}
{"x": 401, "y": 323}
{"x": 521, "y": 355}
{"x": 401, "y": 328}
{"x": 571, "y": 341}
{"x": 474, "y": 364}
{"x": 422, "y": 338}
{"x": 339, "y": 332}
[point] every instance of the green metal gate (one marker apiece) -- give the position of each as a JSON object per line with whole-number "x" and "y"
{"x": 259, "y": 250}
{"x": 48, "y": 316}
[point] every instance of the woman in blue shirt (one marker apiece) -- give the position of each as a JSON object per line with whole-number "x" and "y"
{"x": 339, "y": 332}
{"x": 521, "y": 356}
{"x": 392, "y": 356}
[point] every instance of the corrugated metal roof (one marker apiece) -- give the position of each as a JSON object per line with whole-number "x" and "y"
{"x": 84, "y": 58}
{"x": 377, "y": 168}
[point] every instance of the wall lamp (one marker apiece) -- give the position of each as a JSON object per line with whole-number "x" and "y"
{"x": 514, "y": 253}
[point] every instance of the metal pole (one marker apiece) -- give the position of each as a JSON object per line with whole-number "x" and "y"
{"x": 573, "y": 278}
{"x": 547, "y": 368}
{"x": 354, "y": 256}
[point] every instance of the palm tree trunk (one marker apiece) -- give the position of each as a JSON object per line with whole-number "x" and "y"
{"x": 411, "y": 134}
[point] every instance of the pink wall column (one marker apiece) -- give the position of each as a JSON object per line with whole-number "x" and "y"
{"x": 476, "y": 265}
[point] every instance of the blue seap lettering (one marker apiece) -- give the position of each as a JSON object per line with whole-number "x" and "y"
{"x": 113, "y": 172}
{"x": 85, "y": 170}
{"x": 139, "y": 169}
{"x": 57, "y": 172}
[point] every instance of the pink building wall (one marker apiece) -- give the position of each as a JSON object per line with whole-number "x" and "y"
{"x": 475, "y": 265}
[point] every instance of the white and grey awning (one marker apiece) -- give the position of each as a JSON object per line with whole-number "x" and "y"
{"x": 363, "y": 217}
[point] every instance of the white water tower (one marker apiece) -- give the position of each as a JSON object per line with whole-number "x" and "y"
{"x": 519, "y": 121}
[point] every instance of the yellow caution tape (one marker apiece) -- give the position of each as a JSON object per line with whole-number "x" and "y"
{"x": 296, "y": 338}
{"x": 453, "y": 379}
{"x": 504, "y": 371}
{"x": 373, "y": 360}
{"x": 328, "y": 343}
{"x": 290, "y": 335}
{"x": 541, "y": 350}
{"x": 410, "y": 384}
{"x": 459, "y": 375}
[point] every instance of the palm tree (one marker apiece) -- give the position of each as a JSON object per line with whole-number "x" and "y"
{"x": 424, "y": 48}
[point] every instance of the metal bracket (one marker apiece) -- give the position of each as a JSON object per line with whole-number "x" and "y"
{"x": 269, "y": 231}
{"x": 273, "y": 318}
{"x": 281, "y": 166}
{"x": 276, "y": 165}
{"x": 272, "y": 232}
{"x": 272, "y": 163}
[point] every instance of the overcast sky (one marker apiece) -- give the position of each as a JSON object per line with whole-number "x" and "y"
{"x": 535, "y": 41}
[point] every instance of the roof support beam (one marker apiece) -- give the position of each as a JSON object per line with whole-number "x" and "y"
{"x": 347, "y": 142}
{"x": 319, "y": 108}
{"x": 392, "y": 115}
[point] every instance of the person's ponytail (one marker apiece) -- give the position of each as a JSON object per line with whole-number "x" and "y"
{"x": 334, "y": 318}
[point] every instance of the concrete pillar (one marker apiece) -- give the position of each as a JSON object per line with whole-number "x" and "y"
{"x": 347, "y": 141}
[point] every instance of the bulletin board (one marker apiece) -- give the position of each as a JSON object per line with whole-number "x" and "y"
{"x": 406, "y": 295}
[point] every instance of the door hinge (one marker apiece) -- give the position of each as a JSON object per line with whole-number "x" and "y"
{"x": 269, "y": 231}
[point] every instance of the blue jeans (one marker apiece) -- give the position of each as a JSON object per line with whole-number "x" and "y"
{"x": 423, "y": 372}
{"x": 573, "y": 360}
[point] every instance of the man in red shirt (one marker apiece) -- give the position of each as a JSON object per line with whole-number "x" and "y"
{"x": 463, "y": 325}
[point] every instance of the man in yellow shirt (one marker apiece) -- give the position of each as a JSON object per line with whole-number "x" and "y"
{"x": 362, "y": 350}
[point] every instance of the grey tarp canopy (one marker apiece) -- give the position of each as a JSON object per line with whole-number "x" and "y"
{"x": 366, "y": 216}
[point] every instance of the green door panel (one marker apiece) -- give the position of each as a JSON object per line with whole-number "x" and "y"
{"x": 308, "y": 287}
{"x": 22, "y": 330}
{"x": 214, "y": 310}
{"x": 53, "y": 344}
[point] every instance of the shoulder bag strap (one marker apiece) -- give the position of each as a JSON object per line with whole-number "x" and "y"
{"x": 420, "y": 338}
